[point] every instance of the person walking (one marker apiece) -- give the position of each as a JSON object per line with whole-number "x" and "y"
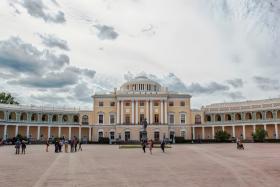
{"x": 144, "y": 146}
{"x": 151, "y": 145}
{"x": 72, "y": 145}
{"x": 17, "y": 146}
{"x": 23, "y": 147}
{"x": 80, "y": 146}
{"x": 47, "y": 146}
{"x": 162, "y": 145}
{"x": 75, "y": 143}
{"x": 66, "y": 146}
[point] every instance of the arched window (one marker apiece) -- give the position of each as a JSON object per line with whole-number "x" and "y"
{"x": 248, "y": 116}
{"x": 54, "y": 118}
{"x": 2, "y": 115}
{"x": 258, "y": 115}
{"x": 23, "y": 116}
{"x": 44, "y": 117}
{"x": 208, "y": 118}
{"x": 227, "y": 117}
{"x": 12, "y": 116}
{"x": 85, "y": 120}
{"x": 218, "y": 117}
{"x": 34, "y": 117}
{"x": 278, "y": 114}
{"x": 64, "y": 118}
{"x": 76, "y": 119}
{"x": 197, "y": 119}
{"x": 237, "y": 117}
{"x": 269, "y": 115}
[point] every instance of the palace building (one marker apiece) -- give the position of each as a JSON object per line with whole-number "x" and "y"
{"x": 118, "y": 115}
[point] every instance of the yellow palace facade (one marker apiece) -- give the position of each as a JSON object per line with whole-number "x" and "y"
{"x": 118, "y": 116}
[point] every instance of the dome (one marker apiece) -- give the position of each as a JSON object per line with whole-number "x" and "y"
{"x": 141, "y": 83}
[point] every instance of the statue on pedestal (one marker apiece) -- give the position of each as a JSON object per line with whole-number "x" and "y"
{"x": 144, "y": 124}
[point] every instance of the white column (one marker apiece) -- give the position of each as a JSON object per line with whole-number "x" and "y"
{"x": 147, "y": 111}
{"x": 80, "y": 133}
{"x": 213, "y": 132}
{"x": 223, "y": 128}
{"x": 276, "y": 131}
{"x": 69, "y": 133}
{"x": 233, "y": 131}
{"x": 59, "y": 131}
{"x": 203, "y": 133}
{"x": 193, "y": 133}
{"x": 161, "y": 111}
{"x": 89, "y": 134}
{"x": 49, "y": 132}
{"x": 16, "y": 130}
{"x": 254, "y": 128}
{"x": 132, "y": 112}
{"x": 118, "y": 112}
{"x": 136, "y": 112}
{"x": 264, "y": 127}
{"x": 27, "y": 131}
{"x": 121, "y": 112}
{"x": 151, "y": 112}
{"x": 165, "y": 110}
{"x": 5, "y": 132}
{"x": 244, "y": 132}
{"x": 38, "y": 132}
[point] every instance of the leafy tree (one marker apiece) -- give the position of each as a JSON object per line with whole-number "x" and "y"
{"x": 7, "y": 98}
{"x": 260, "y": 135}
{"x": 222, "y": 136}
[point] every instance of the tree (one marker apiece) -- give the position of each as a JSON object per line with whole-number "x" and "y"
{"x": 260, "y": 135}
{"x": 7, "y": 98}
{"x": 222, "y": 136}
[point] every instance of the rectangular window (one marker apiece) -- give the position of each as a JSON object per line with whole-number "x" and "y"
{"x": 101, "y": 103}
{"x": 171, "y": 118}
{"x": 100, "y": 118}
{"x": 127, "y": 119}
{"x": 182, "y": 133}
{"x": 127, "y": 103}
{"x": 142, "y": 103}
{"x": 156, "y": 103}
{"x": 112, "y": 104}
{"x": 183, "y": 118}
{"x": 127, "y": 136}
{"x": 156, "y": 118}
{"x": 112, "y": 135}
{"x": 112, "y": 118}
{"x": 156, "y": 136}
{"x": 100, "y": 134}
{"x": 171, "y": 103}
{"x": 182, "y": 103}
{"x": 142, "y": 117}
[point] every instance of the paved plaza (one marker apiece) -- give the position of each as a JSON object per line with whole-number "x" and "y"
{"x": 107, "y": 165}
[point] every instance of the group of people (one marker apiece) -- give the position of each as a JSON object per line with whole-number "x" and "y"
{"x": 151, "y": 145}
{"x": 20, "y": 144}
{"x": 58, "y": 145}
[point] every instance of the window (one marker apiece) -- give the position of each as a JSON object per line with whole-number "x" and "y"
{"x": 183, "y": 118}
{"x": 101, "y": 103}
{"x": 112, "y": 118}
{"x": 127, "y": 118}
{"x": 156, "y": 103}
{"x": 171, "y": 103}
{"x": 85, "y": 120}
{"x": 142, "y": 103}
{"x": 156, "y": 136}
{"x": 100, "y": 134}
{"x": 156, "y": 118}
{"x": 127, "y": 103}
{"x": 183, "y": 133}
{"x": 112, "y": 104}
{"x": 171, "y": 118}
{"x": 127, "y": 135}
{"x": 100, "y": 118}
{"x": 182, "y": 103}
{"x": 112, "y": 135}
{"x": 197, "y": 119}
{"x": 142, "y": 117}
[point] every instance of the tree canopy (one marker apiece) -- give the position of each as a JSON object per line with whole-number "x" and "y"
{"x": 7, "y": 98}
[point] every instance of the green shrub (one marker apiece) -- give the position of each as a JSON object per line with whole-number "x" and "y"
{"x": 222, "y": 136}
{"x": 260, "y": 135}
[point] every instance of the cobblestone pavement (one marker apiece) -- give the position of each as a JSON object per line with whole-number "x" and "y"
{"x": 106, "y": 165}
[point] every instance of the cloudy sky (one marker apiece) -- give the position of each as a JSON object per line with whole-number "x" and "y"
{"x": 59, "y": 52}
